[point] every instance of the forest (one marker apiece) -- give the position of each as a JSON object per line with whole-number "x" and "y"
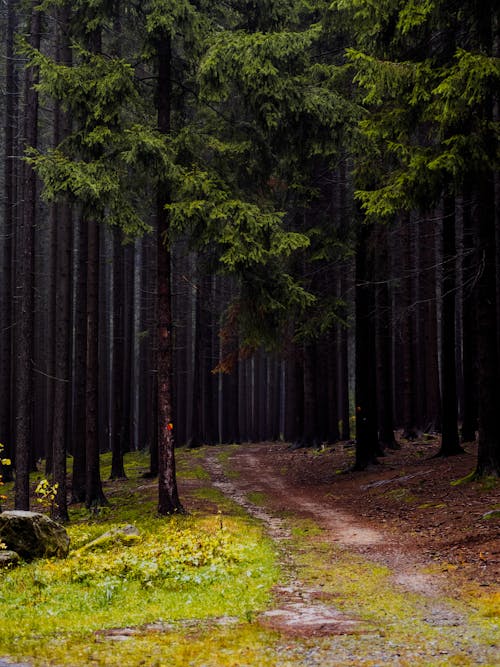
{"x": 240, "y": 222}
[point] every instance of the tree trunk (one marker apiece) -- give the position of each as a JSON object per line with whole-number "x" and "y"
{"x": 469, "y": 325}
{"x": 450, "y": 444}
{"x": 488, "y": 457}
{"x": 168, "y": 498}
{"x": 429, "y": 363}
{"x": 367, "y": 445}
{"x": 407, "y": 335}
{"x": 79, "y": 372}
{"x": 6, "y": 245}
{"x": 24, "y": 296}
{"x": 94, "y": 495}
{"x": 343, "y": 367}
{"x": 62, "y": 302}
{"x": 383, "y": 333}
{"x": 117, "y": 449}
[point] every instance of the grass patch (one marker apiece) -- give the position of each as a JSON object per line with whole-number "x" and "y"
{"x": 257, "y": 498}
{"x": 306, "y": 528}
{"x": 182, "y": 567}
{"x": 245, "y": 644}
{"x": 224, "y": 458}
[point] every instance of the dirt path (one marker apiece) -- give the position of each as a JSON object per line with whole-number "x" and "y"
{"x": 256, "y": 474}
{"x": 305, "y": 609}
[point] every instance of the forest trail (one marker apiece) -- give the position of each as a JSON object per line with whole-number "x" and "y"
{"x": 416, "y": 600}
{"x": 256, "y": 474}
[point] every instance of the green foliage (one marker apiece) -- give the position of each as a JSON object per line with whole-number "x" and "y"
{"x": 186, "y": 567}
{"x": 429, "y": 126}
{"x": 46, "y": 494}
{"x": 3, "y": 462}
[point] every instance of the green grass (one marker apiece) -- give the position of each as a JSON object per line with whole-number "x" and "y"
{"x": 211, "y": 564}
{"x": 257, "y": 498}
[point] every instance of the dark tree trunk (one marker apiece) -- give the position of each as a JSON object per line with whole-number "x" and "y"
{"x": 104, "y": 353}
{"x": 332, "y": 433}
{"x": 407, "y": 335}
{"x": 469, "y": 325}
{"x": 168, "y": 498}
{"x": 309, "y": 435}
{"x": 343, "y": 368}
{"x": 24, "y": 296}
{"x": 367, "y": 445}
{"x": 62, "y": 303}
{"x": 117, "y": 444}
{"x": 6, "y": 245}
{"x": 450, "y": 444}
{"x": 383, "y": 333}
{"x": 429, "y": 364}
{"x": 242, "y": 400}
{"x": 94, "y": 495}
{"x": 79, "y": 372}
{"x": 196, "y": 434}
{"x": 488, "y": 457}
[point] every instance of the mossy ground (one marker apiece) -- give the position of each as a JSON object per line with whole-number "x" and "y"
{"x": 214, "y": 562}
{"x": 414, "y": 629}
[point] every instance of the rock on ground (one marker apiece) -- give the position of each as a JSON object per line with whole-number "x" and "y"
{"x": 33, "y": 535}
{"x": 9, "y": 559}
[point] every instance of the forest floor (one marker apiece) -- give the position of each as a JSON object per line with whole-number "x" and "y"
{"x": 412, "y": 507}
{"x": 396, "y": 565}
{"x": 408, "y": 546}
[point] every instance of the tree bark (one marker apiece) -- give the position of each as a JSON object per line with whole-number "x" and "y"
{"x": 383, "y": 333}
{"x": 168, "y": 497}
{"x": 488, "y": 457}
{"x": 79, "y": 373}
{"x": 367, "y": 444}
{"x": 469, "y": 324}
{"x": 94, "y": 494}
{"x": 450, "y": 444}
{"x": 6, "y": 244}
{"x": 62, "y": 218}
{"x": 24, "y": 296}
{"x": 117, "y": 444}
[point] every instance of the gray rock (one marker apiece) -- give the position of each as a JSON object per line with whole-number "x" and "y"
{"x": 33, "y": 535}
{"x": 9, "y": 559}
{"x": 124, "y": 535}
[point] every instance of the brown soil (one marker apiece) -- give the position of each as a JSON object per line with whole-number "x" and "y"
{"x": 404, "y": 512}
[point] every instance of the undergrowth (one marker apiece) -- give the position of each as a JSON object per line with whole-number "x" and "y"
{"x": 199, "y": 566}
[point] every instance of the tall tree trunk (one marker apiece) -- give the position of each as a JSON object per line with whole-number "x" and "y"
{"x": 24, "y": 297}
{"x": 407, "y": 335}
{"x": 367, "y": 445}
{"x": 79, "y": 365}
{"x": 429, "y": 363}
{"x": 343, "y": 366}
{"x": 6, "y": 244}
{"x": 488, "y": 457}
{"x": 62, "y": 219}
{"x": 94, "y": 494}
{"x": 168, "y": 497}
{"x": 450, "y": 444}
{"x": 309, "y": 435}
{"x": 383, "y": 333}
{"x": 469, "y": 324}
{"x": 117, "y": 448}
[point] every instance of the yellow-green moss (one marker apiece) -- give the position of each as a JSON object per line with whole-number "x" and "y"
{"x": 182, "y": 567}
